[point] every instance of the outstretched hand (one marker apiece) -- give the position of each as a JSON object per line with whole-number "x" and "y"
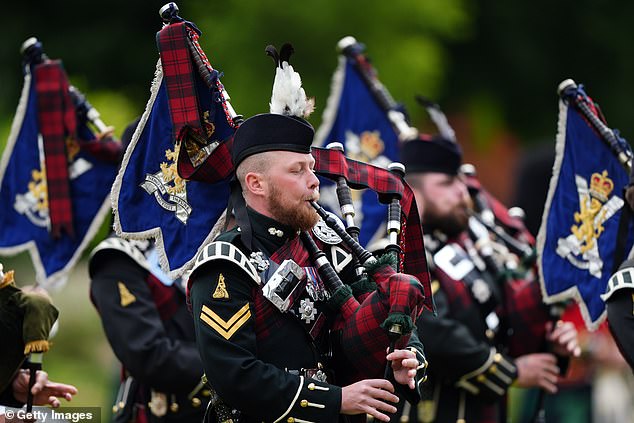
{"x": 45, "y": 392}
{"x": 404, "y": 365}
{"x": 537, "y": 370}
{"x": 563, "y": 338}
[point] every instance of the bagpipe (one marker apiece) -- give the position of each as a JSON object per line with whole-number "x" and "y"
{"x": 183, "y": 204}
{"x": 498, "y": 233}
{"x": 385, "y": 301}
{"x": 57, "y": 170}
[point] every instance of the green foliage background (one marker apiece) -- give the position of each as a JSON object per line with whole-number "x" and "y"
{"x": 497, "y": 63}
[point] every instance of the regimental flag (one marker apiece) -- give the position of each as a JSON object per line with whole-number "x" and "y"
{"x": 577, "y": 239}
{"x": 55, "y": 175}
{"x": 354, "y": 118}
{"x": 151, "y": 199}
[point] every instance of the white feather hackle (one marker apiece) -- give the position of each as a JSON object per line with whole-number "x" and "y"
{"x": 288, "y": 96}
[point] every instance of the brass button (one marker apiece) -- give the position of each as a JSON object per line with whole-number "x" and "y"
{"x": 493, "y": 368}
{"x": 115, "y": 408}
{"x": 481, "y": 378}
{"x": 311, "y": 386}
{"x": 303, "y": 403}
{"x": 290, "y": 420}
{"x": 196, "y": 402}
{"x": 497, "y": 357}
{"x": 206, "y": 392}
{"x": 174, "y": 407}
{"x": 121, "y": 404}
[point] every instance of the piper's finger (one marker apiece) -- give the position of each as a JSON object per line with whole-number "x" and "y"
{"x": 382, "y": 406}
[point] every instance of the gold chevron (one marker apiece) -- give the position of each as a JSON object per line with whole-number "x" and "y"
{"x": 229, "y": 327}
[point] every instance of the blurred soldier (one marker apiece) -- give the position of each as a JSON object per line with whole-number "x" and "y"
{"x": 26, "y": 319}
{"x": 481, "y": 323}
{"x": 146, "y": 320}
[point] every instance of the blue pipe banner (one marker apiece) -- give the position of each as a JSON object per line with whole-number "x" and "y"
{"x": 25, "y": 218}
{"x": 576, "y": 242}
{"x": 149, "y": 198}
{"x": 354, "y": 118}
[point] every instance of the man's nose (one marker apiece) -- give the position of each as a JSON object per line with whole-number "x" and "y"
{"x": 313, "y": 181}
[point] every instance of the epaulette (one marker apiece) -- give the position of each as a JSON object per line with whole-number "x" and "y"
{"x": 492, "y": 379}
{"x": 133, "y": 249}
{"x": 623, "y": 279}
{"x": 220, "y": 250}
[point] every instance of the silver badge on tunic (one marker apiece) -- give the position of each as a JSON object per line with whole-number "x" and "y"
{"x": 257, "y": 259}
{"x": 481, "y": 290}
{"x": 307, "y": 310}
{"x": 325, "y": 234}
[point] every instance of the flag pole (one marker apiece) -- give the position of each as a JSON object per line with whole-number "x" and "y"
{"x": 568, "y": 91}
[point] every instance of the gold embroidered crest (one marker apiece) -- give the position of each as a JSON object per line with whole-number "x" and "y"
{"x": 221, "y": 292}
{"x": 38, "y": 189}
{"x": 174, "y": 184}
{"x": 126, "y": 296}
{"x": 592, "y": 214}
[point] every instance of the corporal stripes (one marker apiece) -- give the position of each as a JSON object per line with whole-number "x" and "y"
{"x": 225, "y": 328}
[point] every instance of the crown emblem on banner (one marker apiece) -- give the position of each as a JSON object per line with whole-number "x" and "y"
{"x": 601, "y": 186}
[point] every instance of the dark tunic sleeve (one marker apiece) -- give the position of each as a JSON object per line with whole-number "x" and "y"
{"x": 226, "y": 336}
{"x": 457, "y": 355}
{"x": 135, "y": 330}
{"x": 621, "y": 321}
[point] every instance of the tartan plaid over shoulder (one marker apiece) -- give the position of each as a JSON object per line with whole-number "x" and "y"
{"x": 333, "y": 164}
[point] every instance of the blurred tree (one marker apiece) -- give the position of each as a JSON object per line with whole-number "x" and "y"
{"x": 112, "y": 47}
{"x": 521, "y": 51}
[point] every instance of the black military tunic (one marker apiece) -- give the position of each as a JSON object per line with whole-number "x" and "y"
{"x": 150, "y": 331}
{"x": 619, "y": 300}
{"x": 253, "y": 354}
{"x": 469, "y": 371}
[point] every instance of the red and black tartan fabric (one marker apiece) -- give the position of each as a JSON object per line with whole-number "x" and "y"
{"x": 523, "y": 311}
{"x": 179, "y": 77}
{"x": 57, "y": 122}
{"x": 176, "y": 59}
{"x": 266, "y": 316}
{"x": 333, "y": 164}
{"x": 216, "y": 167}
{"x": 364, "y": 341}
{"x": 103, "y": 147}
{"x": 165, "y": 297}
{"x": 527, "y": 314}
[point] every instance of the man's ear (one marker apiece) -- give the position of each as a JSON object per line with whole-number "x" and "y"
{"x": 255, "y": 183}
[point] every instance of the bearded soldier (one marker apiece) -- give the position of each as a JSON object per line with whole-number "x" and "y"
{"x": 486, "y": 334}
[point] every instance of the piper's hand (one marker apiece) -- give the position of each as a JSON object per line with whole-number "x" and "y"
{"x": 369, "y": 396}
{"x": 537, "y": 370}
{"x": 44, "y": 391}
{"x": 404, "y": 364}
{"x": 563, "y": 338}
